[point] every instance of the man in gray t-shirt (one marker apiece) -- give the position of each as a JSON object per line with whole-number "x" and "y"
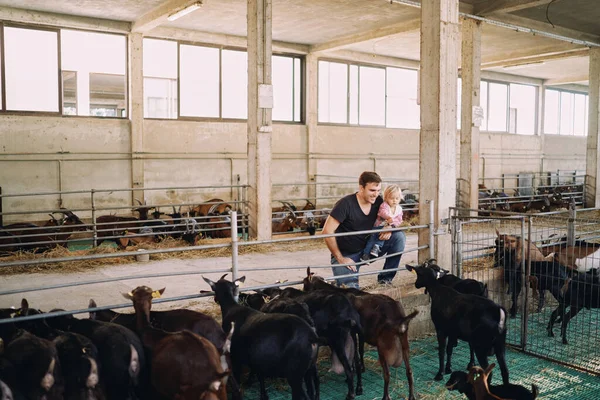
{"x": 357, "y": 212}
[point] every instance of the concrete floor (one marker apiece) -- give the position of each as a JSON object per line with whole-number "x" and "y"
{"x": 109, "y": 293}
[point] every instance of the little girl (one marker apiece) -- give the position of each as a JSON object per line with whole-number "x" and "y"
{"x": 389, "y": 214}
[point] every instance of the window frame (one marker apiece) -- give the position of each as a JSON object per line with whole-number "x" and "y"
{"x": 4, "y": 109}
{"x": 368, "y": 65}
{"x": 126, "y": 100}
{"x": 58, "y": 30}
{"x": 536, "y": 124}
{"x": 570, "y": 91}
{"x": 220, "y": 47}
{"x": 127, "y": 87}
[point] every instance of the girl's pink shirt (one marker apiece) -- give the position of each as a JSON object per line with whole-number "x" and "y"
{"x": 385, "y": 212}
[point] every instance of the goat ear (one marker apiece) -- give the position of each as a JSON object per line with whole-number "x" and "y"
{"x": 128, "y": 296}
{"x": 239, "y": 281}
{"x": 410, "y": 268}
{"x": 210, "y": 283}
{"x": 489, "y": 369}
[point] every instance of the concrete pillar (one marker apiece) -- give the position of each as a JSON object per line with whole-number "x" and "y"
{"x": 440, "y": 35}
{"x": 136, "y": 113}
{"x": 593, "y": 140}
{"x": 469, "y": 132}
{"x": 260, "y": 127}
{"x": 312, "y": 106}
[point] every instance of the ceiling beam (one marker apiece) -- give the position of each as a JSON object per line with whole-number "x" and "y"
{"x": 220, "y": 39}
{"x": 546, "y": 27}
{"x": 506, "y": 6}
{"x": 365, "y": 36}
{"x": 63, "y": 20}
{"x": 159, "y": 15}
{"x": 512, "y": 59}
{"x": 566, "y": 80}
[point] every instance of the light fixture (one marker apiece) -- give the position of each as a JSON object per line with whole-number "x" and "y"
{"x": 185, "y": 11}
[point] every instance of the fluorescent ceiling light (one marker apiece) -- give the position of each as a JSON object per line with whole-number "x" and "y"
{"x": 185, "y": 11}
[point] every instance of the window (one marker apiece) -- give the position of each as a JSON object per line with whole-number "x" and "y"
{"x": 234, "y": 75}
{"x": 369, "y": 96}
{"x": 107, "y": 92}
{"x": 565, "y": 113}
{"x": 402, "y": 109}
{"x": 98, "y": 61}
{"x": 287, "y": 88}
{"x": 523, "y": 106}
{"x": 371, "y": 99}
{"x": 507, "y": 107}
{"x": 333, "y": 92}
{"x": 160, "y": 78}
{"x": 199, "y": 81}
{"x": 31, "y": 69}
{"x": 69, "y": 88}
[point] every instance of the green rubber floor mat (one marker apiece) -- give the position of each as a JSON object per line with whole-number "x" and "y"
{"x": 554, "y": 381}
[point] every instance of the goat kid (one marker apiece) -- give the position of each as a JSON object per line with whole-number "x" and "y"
{"x": 475, "y": 319}
{"x": 459, "y": 381}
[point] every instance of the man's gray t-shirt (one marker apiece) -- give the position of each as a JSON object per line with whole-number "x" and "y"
{"x": 352, "y": 219}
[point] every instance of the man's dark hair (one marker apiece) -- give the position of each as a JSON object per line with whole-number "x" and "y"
{"x": 368, "y": 177}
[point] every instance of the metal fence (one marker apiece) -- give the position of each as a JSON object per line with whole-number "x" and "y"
{"x": 526, "y": 259}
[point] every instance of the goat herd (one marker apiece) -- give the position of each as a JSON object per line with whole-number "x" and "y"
{"x": 208, "y": 219}
{"x": 545, "y": 199}
{"x": 186, "y": 355}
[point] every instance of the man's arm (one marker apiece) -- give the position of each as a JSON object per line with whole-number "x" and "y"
{"x": 331, "y": 224}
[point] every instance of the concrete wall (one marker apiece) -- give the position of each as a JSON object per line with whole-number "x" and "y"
{"x": 43, "y": 153}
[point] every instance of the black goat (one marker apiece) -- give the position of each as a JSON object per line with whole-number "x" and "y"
{"x": 338, "y": 321}
{"x": 464, "y": 286}
{"x": 271, "y": 345}
{"x": 475, "y": 319}
{"x": 458, "y": 381}
{"x": 121, "y": 355}
{"x": 582, "y": 291}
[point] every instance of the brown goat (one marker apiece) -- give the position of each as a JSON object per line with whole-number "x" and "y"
{"x": 385, "y": 326}
{"x": 478, "y": 377}
{"x": 185, "y": 366}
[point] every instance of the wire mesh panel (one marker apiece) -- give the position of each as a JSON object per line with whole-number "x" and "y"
{"x": 541, "y": 268}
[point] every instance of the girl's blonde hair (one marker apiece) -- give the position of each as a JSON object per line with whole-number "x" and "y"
{"x": 391, "y": 189}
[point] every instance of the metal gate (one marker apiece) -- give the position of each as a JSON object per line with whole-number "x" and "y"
{"x": 506, "y": 252}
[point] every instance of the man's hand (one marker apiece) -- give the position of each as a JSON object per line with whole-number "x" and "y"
{"x": 347, "y": 260}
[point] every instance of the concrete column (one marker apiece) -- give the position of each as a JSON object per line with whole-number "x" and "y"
{"x": 260, "y": 127}
{"x": 312, "y": 84}
{"x": 440, "y": 35}
{"x": 136, "y": 113}
{"x": 593, "y": 139}
{"x": 469, "y": 132}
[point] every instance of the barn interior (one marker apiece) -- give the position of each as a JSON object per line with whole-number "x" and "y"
{"x": 170, "y": 103}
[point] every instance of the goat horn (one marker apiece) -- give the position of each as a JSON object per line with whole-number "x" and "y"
{"x": 223, "y": 277}
{"x": 139, "y": 202}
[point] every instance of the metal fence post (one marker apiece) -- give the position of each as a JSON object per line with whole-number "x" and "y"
{"x": 94, "y": 228}
{"x": 571, "y": 226}
{"x": 523, "y": 284}
{"x": 234, "y": 246}
{"x": 525, "y": 316}
{"x": 431, "y": 227}
{"x": 459, "y": 242}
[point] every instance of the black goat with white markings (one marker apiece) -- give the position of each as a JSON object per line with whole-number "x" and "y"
{"x": 474, "y": 319}
{"x": 458, "y": 381}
